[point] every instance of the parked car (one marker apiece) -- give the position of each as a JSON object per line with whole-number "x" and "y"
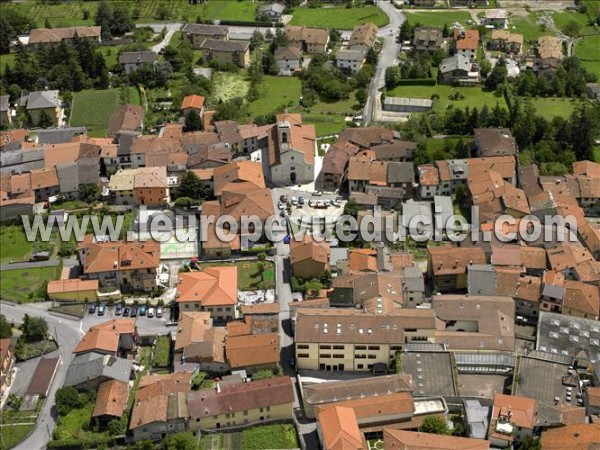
{"x": 283, "y": 198}
{"x": 159, "y": 312}
{"x": 92, "y": 309}
{"x": 336, "y": 203}
{"x": 327, "y": 203}
{"x": 118, "y": 310}
{"x": 301, "y": 201}
{"x": 281, "y": 205}
{"x": 126, "y": 311}
{"x": 142, "y": 310}
{"x": 317, "y": 193}
{"x": 294, "y": 201}
{"x": 101, "y": 309}
{"x": 134, "y": 311}
{"x": 150, "y": 312}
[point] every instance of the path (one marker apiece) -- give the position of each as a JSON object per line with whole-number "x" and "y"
{"x": 387, "y": 58}
{"x": 158, "y": 27}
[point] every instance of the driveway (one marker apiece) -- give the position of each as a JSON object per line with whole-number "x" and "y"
{"x": 387, "y": 57}
{"x": 158, "y": 27}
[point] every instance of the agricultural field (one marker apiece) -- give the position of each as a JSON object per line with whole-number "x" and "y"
{"x": 340, "y": 18}
{"x": 26, "y": 285}
{"x": 437, "y": 18}
{"x": 228, "y": 85}
{"x": 276, "y": 92}
{"x": 587, "y": 49}
{"x": 473, "y": 96}
{"x": 329, "y": 117}
{"x": 13, "y": 244}
{"x": 564, "y": 17}
{"x": 549, "y": 108}
{"x": 93, "y": 108}
{"x": 528, "y": 27}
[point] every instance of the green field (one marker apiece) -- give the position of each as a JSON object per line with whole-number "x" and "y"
{"x": 587, "y": 49}
{"x": 276, "y": 92}
{"x": 563, "y": 18}
{"x": 269, "y": 436}
{"x": 92, "y": 109}
{"x": 473, "y": 96}
{"x": 162, "y": 352}
{"x": 248, "y": 275}
{"x": 13, "y": 434}
{"x": 71, "y": 13}
{"x": 597, "y": 154}
{"x": 549, "y": 108}
{"x": 17, "y": 284}
{"x": 329, "y": 117}
{"x": 339, "y": 18}
{"x": 527, "y": 26}
{"x": 437, "y": 19}
{"x": 228, "y": 85}
{"x": 13, "y": 244}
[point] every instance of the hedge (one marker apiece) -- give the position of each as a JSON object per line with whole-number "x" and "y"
{"x": 89, "y": 442}
{"x": 417, "y": 82}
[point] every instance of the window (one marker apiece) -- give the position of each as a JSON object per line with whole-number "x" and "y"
{"x": 373, "y": 347}
{"x": 219, "y": 309}
{"x": 268, "y": 408}
{"x": 338, "y": 356}
{"x": 187, "y": 306}
{"x": 262, "y": 409}
{"x": 325, "y": 356}
{"x": 361, "y": 347}
{"x": 372, "y": 356}
{"x": 360, "y": 366}
{"x": 303, "y": 346}
{"x": 338, "y": 347}
{"x": 246, "y": 412}
{"x": 324, "y": 347}
{"x": 303, "y": 355}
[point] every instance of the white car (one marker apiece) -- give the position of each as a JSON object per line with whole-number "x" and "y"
{"x": 317, "y": 193}
{"x": 336, "y": 203}
{"x": 294, "y": 201}
{"x": 327, "y": 203}
{"x": 281, "y": 205}
{"x": 150, "y": 312}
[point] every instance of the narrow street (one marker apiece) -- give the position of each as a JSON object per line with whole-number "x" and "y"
{"x": 387, "y": 57}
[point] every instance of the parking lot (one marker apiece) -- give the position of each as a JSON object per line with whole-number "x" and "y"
{"x": 145, "y": 324}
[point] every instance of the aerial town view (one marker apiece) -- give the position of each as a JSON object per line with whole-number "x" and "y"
{"x": 300, "y": 224}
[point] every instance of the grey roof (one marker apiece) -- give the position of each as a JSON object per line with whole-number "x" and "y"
{"x": 406, "y": 101}
{"x": 424, "y": 347}
{"x": 412, "y": 208}
{"x": 432, "y": 373}
{"x": 456, "y": 62}
{"x": 553, "y": 291}
{"x": 4, "y": 102}
{"x": 337, "y": 254}
{"x": 287, "y": 53}
{"x": 88, "y": 170}
{"x": 385, "y": 192}
{"x": 137, "y": 57}
{"x": 568, "y": 335}
{"x": 42, "y": 100}
{"x": 413, "y": 279}
{"x": 477, "y": 418}
{"x": 442, "y": 206}
{"x": 225, "y": 46}
{"x": 481, "y": 279}
{"x": 68, "y": 177}
{"x": 59, "y": 135}
{"x": 351, "y": 55}
{"x": 21, "y": 161}
{"x": 273, "y": 7}
{"x": 459, "y": 169}
{"x": 126, "y": 139}
{"x": 400, "y": 172}
{"x": 205, "y": 30}
{"x": 89, "y": 366}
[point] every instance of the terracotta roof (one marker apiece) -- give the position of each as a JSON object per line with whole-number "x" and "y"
{"x": 192, "y": 328}
{"x": 587, "y": 168}
{"x": 367, "y": 137}
{"x": 252, "y": 350}
{"x": 550, "y": 47}
{"x": 308, "y": 35}
{"x": 365, "y": 34}
{"x": 573, "y": 437}
{"x": 378, "y": 173}
{"x": 212, "y": 286}
{"x": 506, "y": 35}
{"x": 44, "y": 178}
{"x": 125, "y": 118}
{"x": 150, "y": 177}
{"x": 73, "y": 285}
{"x": 447, "y": 260}
{"x": 241, "y": 397}
{"x": 260, "y": 308}
{"x": 378, "y": 406}
{"x": 238, "y": 328}
{"x": 111, "y": 399}
{"x": 159, "y": 399}
{"x": 309, "y": 249}
{"x": 111, "y": 256}
{"x": 359, "y": 168}
{"x": 593, "y": 396}
{"x": 105, "y": 336}
{"x": 428, "y": 175}
{"x": 337, "y": 157}
{"x": 533, "y": 257}
{"x": 238, "y": 172}
{"x": 339, "y": 429}
{"x": 529, "y": 289}
{"x": 20, "y": 183}
{"x": 504, "y": 165}
{"x": 302, "y": 138}
{"x": 52, "y": 35}
{"x": 523, "y": 410}
{"x": 285, "y": 53}
{"x": 60, "y": 153}
{"x": 243, "y": 199}
{"x": 495, "y": 141}
{"x": 361, "y": 260}
{"x": 192, "y": 101}
{"x": 467, "y": 39}
{"x": 582, "y": 297}
{"x": 413, "y": 440}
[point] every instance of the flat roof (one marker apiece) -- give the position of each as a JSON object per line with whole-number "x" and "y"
{"x": 541, "y": 379}
{"x": 406, "y": 101}
{"x": 568, "y": 335}
{"x": 431, "y": 372}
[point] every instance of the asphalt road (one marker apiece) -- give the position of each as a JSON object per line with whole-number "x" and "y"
{"x": 387, "y": 56}
{"x": 67, "y": 333}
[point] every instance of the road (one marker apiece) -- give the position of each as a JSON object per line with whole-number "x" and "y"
{"x": 68, "y": 334}
{"x": 387, "y": 56}
{"x": 158, "y": 27}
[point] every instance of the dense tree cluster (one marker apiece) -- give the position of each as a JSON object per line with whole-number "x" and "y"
{"x": 115, "y": 19}
{"x": 12, "y": 24}
{"x": 568, "y": 80}
{"x": 63, "y": 66}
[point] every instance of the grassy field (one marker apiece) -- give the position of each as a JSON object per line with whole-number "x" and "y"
{"x": 13, "y": 434}
{"x": 329, "y": 117}
{"x": 270, "y": 436}
{"x": 564, "y": 17}
{"x": 527, "y": 26}
{"x": 73, "y": 310}
{"x": 13, "y": 244}
{"x": 73, "y": 424}
{"x": 162, "y": 352}
{"x": 340, "y": 18}
{"x": 473, "y": 96}
{"x": 552, "y": 107}
{"x": 276, "y": 92}
{"x": 93, "y": 109}
{"x": 587, "y": 50}
{"x": 597, "y": 154}
{"x": 71, "y": 13}
{"x": 248, "y": 275}
{"x": 228, "y": 85}
{"x": 437, "y": 19}
{"x": 17, "y": 284}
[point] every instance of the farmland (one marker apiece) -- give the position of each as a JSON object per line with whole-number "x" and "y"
{"x": 340, "y": 18}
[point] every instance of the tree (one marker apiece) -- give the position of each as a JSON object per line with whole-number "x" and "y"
{"x": 181, "y": 441}
{"x": 47, "y": 23}
{"x": 392, "y": 77}
{"x": 262, "y": 375}
{"x": 34, "y": 328}
{"x": 256, "y": 40}
{"x": 185, "y": 202}
{"x": 584, "y": 127}
{"x": 69, "y": 398}
{"x": 313, "y": 286}
{"x": 498, "y": 75}
{"x": 89, "y": 193}
{"x": 121, "y": 21}
{"x": 434, "y": 425}
{"x": 445, "y": 31}
{"x": 571, "y": 28}
{"x": 371, "y": 56}
{"x": 530, "y": 443}
{"x": 351, "y": 208}
{"x": 191, "y": 186}
{"x": 485, "y": 67}
{"x": 193, "y": 122}
{"x": 198, "y": 380}
{"x": 5, "y": 328}
{"x": 361, "y": 96}
{"x": 115, "y": 427}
